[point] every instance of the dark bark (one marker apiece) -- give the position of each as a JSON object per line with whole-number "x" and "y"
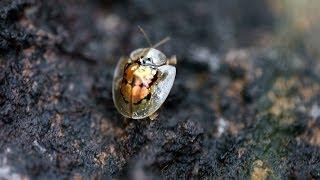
{"x": 237, "y": 109}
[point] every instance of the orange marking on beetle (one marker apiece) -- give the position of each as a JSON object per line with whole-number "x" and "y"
{"x": 136, "y": 82}
{"x": 128, "y": 74}
{"x": 139, "y": 93}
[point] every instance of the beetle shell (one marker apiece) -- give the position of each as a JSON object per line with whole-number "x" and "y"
{"x": 142, "y": 82}
{"x": 156, "y": 56}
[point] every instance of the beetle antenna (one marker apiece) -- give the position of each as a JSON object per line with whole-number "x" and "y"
{"x": 164, "y": 40}
{"x": 145, "y": 36}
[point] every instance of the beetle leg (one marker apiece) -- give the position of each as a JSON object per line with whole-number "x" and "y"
{"x": 153, "y": 116}
{"x": 172, "y": 60}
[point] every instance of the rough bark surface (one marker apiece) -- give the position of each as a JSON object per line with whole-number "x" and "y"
{"x": 241, "y": 106}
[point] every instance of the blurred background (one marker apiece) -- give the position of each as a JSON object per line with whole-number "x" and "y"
{"x": 245, "y": 103}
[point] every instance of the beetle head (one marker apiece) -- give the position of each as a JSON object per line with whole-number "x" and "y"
{"x": 149, "y": 56}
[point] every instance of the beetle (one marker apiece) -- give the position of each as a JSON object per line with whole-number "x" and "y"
{"x": 142, "y": 81}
